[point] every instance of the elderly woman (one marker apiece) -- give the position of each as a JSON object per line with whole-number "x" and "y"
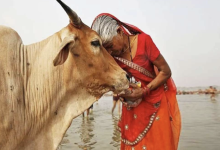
{"x": 150, "y": 115}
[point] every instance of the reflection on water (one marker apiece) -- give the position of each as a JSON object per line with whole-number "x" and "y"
{"x": 116, "y": 137}
{"x": 200, "y": 126}
{"x": 86, "y": 134}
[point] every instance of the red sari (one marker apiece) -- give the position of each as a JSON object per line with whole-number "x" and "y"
{"x": 155, "y": 123}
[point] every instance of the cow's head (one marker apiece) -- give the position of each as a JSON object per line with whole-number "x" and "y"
{"x": 81, "y": 49}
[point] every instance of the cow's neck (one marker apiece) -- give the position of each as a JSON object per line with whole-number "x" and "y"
{"x": 49, "y": 106}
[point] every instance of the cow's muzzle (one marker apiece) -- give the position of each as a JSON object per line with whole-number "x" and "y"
{"x": 121, "y": 85}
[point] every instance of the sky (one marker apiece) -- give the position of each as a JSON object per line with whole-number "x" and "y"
{"x": 187, "y": 32}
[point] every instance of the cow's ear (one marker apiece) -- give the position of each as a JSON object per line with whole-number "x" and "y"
{"x": 64, "y": 50}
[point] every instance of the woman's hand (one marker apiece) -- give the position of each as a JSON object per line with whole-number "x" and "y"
{"x": 133, "y": 93}
{"x": 131, "y": 103}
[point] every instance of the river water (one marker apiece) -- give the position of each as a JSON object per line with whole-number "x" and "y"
{"x": 200, "y": 126}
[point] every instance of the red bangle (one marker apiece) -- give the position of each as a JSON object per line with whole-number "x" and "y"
{"x": 146, "y": 91}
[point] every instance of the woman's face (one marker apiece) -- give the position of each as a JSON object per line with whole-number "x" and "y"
{"x": 117, "y": 46}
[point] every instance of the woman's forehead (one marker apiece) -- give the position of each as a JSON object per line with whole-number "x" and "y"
{"x": 113, "y": 41}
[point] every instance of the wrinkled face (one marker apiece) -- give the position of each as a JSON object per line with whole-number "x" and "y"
{"x": 118, "y": 45}
{"x": 89, "y": 64}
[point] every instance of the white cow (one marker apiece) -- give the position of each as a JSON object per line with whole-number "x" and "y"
{"x": 43, "y": 86}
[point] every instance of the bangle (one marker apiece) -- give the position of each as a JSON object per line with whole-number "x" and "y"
{"x": 146, "y": 91}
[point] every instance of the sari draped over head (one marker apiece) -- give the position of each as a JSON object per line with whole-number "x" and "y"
{"x": 155, "y": 123}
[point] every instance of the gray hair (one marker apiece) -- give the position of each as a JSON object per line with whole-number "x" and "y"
{"x": 106, "y": 27}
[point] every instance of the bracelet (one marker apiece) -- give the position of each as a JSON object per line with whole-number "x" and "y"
{"x": 146, "y": 91}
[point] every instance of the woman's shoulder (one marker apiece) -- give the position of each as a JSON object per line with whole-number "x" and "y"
{"x": 143, "y": 38}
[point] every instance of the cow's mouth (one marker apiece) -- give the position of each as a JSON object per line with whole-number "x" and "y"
{"x": 120, "y": 87}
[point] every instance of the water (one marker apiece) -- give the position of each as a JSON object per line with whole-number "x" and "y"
{"x": 200, "y": 126}
{"x": 200, "y": 122}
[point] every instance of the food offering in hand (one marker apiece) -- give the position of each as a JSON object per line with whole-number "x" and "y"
{"x": 138, "y": 84}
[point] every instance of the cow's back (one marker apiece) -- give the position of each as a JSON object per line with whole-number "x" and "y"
{"x": 11, "y": 85}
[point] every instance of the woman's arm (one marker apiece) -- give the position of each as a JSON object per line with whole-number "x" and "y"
{"x": 163, "y": 75}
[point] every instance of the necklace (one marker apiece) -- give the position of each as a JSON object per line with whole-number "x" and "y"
{"x": 129, "y": 44}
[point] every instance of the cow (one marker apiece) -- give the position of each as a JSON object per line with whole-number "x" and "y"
{"x": 45, "y": 85}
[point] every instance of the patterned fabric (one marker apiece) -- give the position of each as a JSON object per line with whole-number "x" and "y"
{"x": 136, "y": 67}
{"x": 141, "y": 135}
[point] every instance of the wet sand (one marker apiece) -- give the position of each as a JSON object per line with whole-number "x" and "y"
{"x": 200, "y": 126}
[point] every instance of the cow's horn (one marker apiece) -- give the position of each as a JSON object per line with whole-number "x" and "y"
{"x": 72, "y": 15}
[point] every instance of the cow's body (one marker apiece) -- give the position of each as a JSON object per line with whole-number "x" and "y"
{"x": 39, "y": 100}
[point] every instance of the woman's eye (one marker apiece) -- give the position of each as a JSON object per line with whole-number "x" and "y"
{"x": 95, "y": 43}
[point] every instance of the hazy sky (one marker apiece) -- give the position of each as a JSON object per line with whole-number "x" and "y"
{"x": 187, "y": 32}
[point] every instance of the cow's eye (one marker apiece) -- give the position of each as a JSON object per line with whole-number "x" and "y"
{"x": 95, "y": 43}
